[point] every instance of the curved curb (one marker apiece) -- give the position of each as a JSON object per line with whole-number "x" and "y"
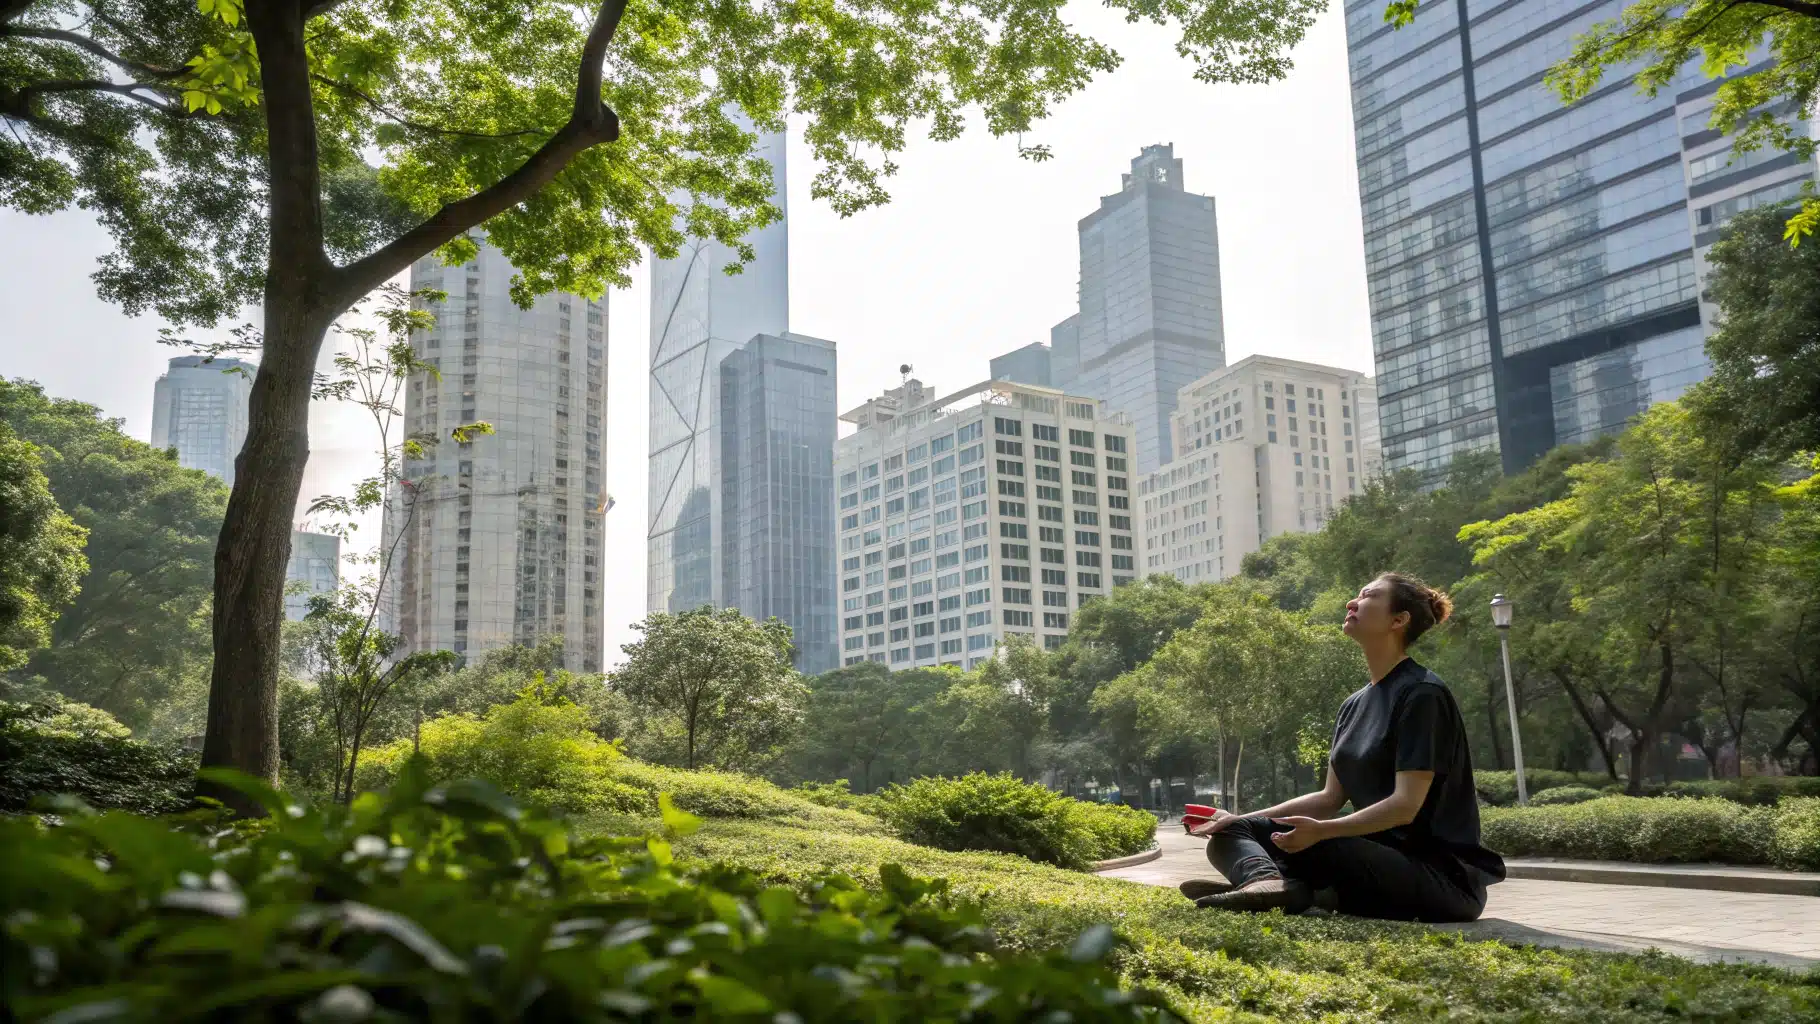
{"x": 1125, "y": 862}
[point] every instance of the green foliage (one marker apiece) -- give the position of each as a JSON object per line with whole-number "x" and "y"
{"x": 1499, "y": 788}
{"x": 56, "y": 749}
{"x": 1649, "y": 830}
{"x": 429, "y": 902}
{"x": 135, "y": 642}
{"x": 998, "y": 812}
{"x": 715, "y": 795}
{"x": 838, "y": 793}
{"x": 1252, "y": 969}
{"x": 1565, "y": 795}
{"x": 713, "y": 689}
{"x": 1765, "y": 381}
{"x": 1755, "y": 790}
{"x": 867, "y": 723}
{"x": 1795, "y": 843}
{"x": 40, "y": 552}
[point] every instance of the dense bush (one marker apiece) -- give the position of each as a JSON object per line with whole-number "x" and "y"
{"x": 545, "y": 753}
{"x": 54, "y": 748}
{"x": 1757, "y": 790}
{"x": 998, "y": 812}
{"x": 1661, "y": 830}
{"x": 1499, "y": 788}
{"x": 448, "y": 903}
{"x": 1565, "y": 795}
{"x": 838, "y": 793}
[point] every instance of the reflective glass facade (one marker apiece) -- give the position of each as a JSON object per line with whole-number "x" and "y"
{"x": 777, "y": 416}
{"x": 1150, "y": 316}
{"x": 199, "y": 407}
{"x": 1027, "y": 365}
{"x": 316, "y": 565}
{"x": 1507, "y": 235}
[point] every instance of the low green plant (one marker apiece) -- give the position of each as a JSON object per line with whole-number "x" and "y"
{"x": 1756, "y": 790}
{"x": 838, "y": 793}
{"x": 715, "y": 794}
{"x": 1795, "y": 843}
{"x": 1499, "y": 788}
{"x": 55, "y": 749}
{"x": 448, "y": 902}
{"x": 999, "y": 812}
{"x": 1565, "y": 795}
{"x": 1225, "y": 968}
{"x": 1641, "y": 829}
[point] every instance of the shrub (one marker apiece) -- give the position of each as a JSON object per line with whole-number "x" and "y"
{"x": 1643, "y": 829}
{"x": 49, "y": 749}
{"x": 1499, "y": 788}
{"x": 1756, "y": 790}
{"x": 998, "y": 812}
{"x": 545, "y": 754}
{"x": 1796, "y": 841}
{"x": 449, "y": 903}
{"x": 838, "y": 793}
{"x": 1565, "y": 795}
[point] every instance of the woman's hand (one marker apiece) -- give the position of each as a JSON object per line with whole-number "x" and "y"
{"x": 1303, "y": 833}
{"x": 1218, "y": 823}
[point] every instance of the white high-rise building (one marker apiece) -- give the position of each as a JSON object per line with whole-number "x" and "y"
{"x": 199, "y": 408}
{"x": 314, "y": 570}
{"x": 504, "y": 536}
{"x": 991, "y": 512}
{"x": 1263, "y": 447}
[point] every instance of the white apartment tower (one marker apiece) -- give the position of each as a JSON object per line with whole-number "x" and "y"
{"x": 1264, "y": 446}
{"x": 963, "y": 520}
{"x": 504, "y": 535}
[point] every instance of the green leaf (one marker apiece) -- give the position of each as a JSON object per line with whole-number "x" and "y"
{"x": 723, "y": 995}
{"x": 677, "y": 822}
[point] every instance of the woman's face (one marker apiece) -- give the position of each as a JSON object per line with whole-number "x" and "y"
{"x": 1368, "y": 616}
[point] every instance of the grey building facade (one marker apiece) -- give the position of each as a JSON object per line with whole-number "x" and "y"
{"x": 1149, "y": 321}
{"x": 1027, "y": 365}
{"x": 504, "y": 536}
{"x": 314, "y": 569}
{"x": 1533, "y": 275}
{"x": 199, "y": 407}
{"x": 731, "y": 389}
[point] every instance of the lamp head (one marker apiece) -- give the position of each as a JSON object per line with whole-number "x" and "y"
{"x": 1501, "y": 611}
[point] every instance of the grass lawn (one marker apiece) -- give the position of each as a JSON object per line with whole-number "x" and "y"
{"x": 1238, "y": 968}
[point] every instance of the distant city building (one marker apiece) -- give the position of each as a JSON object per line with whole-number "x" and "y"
{"x": 199, "y": 407}
{"x": 725, "y": 530}
{"x": 1263, "y": 447}
{"x": 1027, "y": 365}
{"x": 991, "y": 512}
{"x": 1149, "y": 321}
{"x": 504, "y": 538}
{"x": 776, "y": 429}
{"x": 1532, "y": 266}
{"x": 314, "y": 569}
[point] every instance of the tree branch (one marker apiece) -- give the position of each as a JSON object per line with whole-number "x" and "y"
{"x": 83, "y": 42}
{"x": 19, "y": 104}
{"x": 418, "y": 126}
{"x": 1805, "y": 8}
{"x": 592, "y": 123}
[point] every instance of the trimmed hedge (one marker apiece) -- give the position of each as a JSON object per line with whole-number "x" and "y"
{"x": 40, "y": 758}
{"x": 1655, "y": 830}
{"x": 1755, "y": 790}
{"x": 448, "y": 903}
{"x": 1564, "y": 795}
{"x": 1499, "y": 789}
{"x": 1001, "y": 813}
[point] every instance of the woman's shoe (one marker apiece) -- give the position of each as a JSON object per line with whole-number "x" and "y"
{"x": 1196, "y": 888}
{"x": 1261, "y": 895}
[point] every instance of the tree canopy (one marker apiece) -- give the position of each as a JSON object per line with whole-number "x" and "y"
{"x": 40, "y": 552}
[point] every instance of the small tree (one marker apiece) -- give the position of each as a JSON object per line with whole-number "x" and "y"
{"x": 40, "y": 553}
{"x": 725, "y": 681}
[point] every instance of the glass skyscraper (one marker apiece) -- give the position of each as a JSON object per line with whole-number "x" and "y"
{"x": 1149, "y": 322}
{"x": 732, "y": 389}
{"x": 1532, "y": 266}
{"x": 199, "y": 407}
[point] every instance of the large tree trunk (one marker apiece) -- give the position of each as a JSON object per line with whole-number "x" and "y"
{"x": 255, "y": 546}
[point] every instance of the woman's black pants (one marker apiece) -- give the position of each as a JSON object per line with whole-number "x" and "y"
{"x": 1371, "y": 876}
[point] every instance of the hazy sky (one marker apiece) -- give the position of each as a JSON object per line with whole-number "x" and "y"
{"x": 976, "y": 254}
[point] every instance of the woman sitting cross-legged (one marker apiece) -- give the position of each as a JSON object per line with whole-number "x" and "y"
{"x": 1410, "y": 850}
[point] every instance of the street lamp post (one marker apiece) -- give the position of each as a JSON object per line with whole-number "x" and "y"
{"x": 1501, "y": 613}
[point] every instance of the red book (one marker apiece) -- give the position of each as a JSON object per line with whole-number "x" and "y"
{"x": 1193, "y": 813}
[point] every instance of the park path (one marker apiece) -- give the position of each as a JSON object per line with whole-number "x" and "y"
{"x": 1699, "y": 924}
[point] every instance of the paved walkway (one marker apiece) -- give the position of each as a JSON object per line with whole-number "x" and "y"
{"x": 1701, "y": 925}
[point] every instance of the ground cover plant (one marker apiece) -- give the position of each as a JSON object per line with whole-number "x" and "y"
{"x": 1000, "y": 813}
{"x": 59, "y": 747}
{"x": 447, "y": 902}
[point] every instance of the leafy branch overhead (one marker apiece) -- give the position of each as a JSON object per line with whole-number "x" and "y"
{"x": 456, "y": 98}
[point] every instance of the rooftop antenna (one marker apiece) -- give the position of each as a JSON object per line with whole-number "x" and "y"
{"x": 905, "y": 370}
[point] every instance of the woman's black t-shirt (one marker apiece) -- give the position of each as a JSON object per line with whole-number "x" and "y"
{"x": 1408, "y": 722}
